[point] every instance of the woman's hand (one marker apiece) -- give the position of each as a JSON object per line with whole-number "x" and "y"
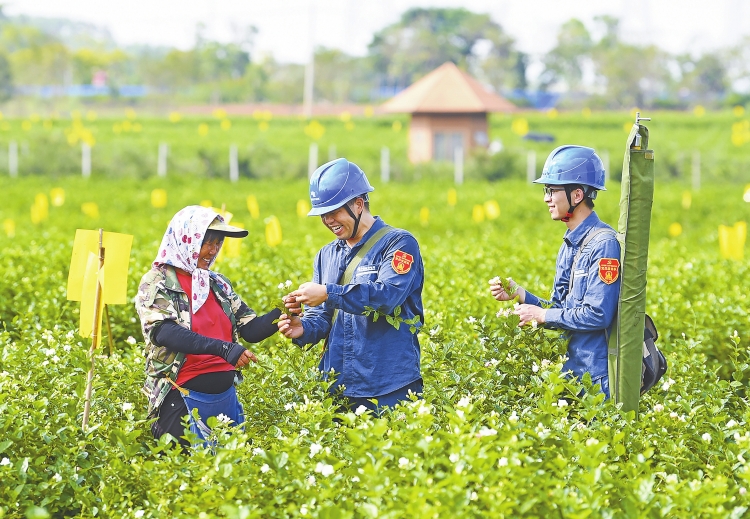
{"x": 246, "y": 358}
{"x": 310, "y": 294}
{"x": 290, "y": 326}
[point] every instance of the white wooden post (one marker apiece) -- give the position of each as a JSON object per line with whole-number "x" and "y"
{"x": 605, "y": 163}
{"x": 332, "y": 152}
{"x": 312, "y": 162}
{"x": 13, "y": 158}
{"x": 161, "y": 165}
{"x": 385, "y": 164}
{"x": 85, "y": 160}
{"x": 458, "y": 165}
{"x": 696, "y": 170}
{"x": 234, "y": 170}
{"x": 531, "y": 166}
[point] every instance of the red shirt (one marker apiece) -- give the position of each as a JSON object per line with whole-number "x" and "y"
{"x": 209, "y": 321}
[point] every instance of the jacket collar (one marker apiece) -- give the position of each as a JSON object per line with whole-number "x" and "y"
{"x": 377, "y": 224}
{"x": 575, "y": 237}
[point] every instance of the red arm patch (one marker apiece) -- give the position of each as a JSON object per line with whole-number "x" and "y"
{"x": 401, "y": 262}
{"x": 609, "y": 270}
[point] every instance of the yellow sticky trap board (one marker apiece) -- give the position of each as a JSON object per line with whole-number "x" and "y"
{"x": 452, "y": 197}
{"x": 491, "y": 209}
{"x": 303, "y": 207}
{"x": 732, "y": 241}
{"x": 477, "y": 213}
{"x": 273, "y": 231}
{"x": 424, "y": 216}
{"x": 116, "y": 260}
{"x": 91, "y": 275}
{"x": 57, "y": 196}
{"x": 252, "y": 206}
{"x": 159, "y": 198}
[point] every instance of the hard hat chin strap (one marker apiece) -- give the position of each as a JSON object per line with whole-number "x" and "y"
{"x": 356, "y": 219}
{"x": 568, "y": 190}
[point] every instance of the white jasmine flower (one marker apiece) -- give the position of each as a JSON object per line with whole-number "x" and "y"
{"x": 289, "y": 406}
{"x": 730, "y": 424}
{"x": 403, "y": 462}
{"x": 434, "y": 332}
{"x": 534, "y": 324}
{"x": 673, "y": 415}
{"x": 464, "y": 402}
{"x": 265, "y": 468}
{"x": 502, "y": 462}
{"x": 580, "y": 426}
{"x": 545, "y": 363}
{"x": 304, "y": 432}
{"x": 473, "y": 496}
{"x": 57, "y": 477}
{"x": 287, "y": 283}
{"x": 303, "y": 510}
{"x": 484, "y": 431}
{"x": 360, "y": 410}
{"x": 454, "y": 457}
{"x": 223, "y": 418}
{"x": 562, "y": 403}
{"x": 127, "y": 406}
{"x": 131, "y": 340}
{"x": 459, "y": 413}
{"x": 534, "y": 367}
{"x": 513, "y": 418}
{"x": 672, "y": 478}
{"x": 471, "y": 319}
{"x": 314, "y": 449}
{"x": 5, "y": 461}
{"x": 139, "y": 513}
{"x": 280, "y": 286}
{"x": 311, "y": 480}
{"x": 706, "y": 437}
{"x": 355, "y": 479}
{"x": 658, "y": 408}
{"x": 55, "y": 359}
{"x": 66, "y": 348}
{"x": 258, "y": 451}
{"x": 324, "y": 469}
{"x": 591, "y": 441}
{"x": 743, "y": 491}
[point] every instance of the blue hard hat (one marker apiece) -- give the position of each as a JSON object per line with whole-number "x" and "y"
{"x": 335, "y": 183}
{"x": 573, "y": 165}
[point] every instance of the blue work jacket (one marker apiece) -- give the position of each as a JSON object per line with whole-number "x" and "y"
{"x": 371, "y": 358}
{"x": 587, "y": 311}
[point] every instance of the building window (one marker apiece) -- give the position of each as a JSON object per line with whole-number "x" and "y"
{"x": 445, "y": 144}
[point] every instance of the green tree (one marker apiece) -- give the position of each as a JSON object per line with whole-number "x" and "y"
{"x": 565, "y": 63}
{"x": 425, "y": 38}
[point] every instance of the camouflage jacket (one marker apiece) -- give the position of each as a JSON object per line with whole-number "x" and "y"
{"x": 160, "y": 297}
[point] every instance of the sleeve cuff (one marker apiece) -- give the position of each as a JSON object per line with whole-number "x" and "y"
{"x": 334, "y": 294}
{"x": 552, "y": 316}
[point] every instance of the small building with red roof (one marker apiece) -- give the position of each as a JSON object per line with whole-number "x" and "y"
{"x": 448, "y": 110}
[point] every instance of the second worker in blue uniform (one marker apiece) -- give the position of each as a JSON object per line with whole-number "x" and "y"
{"x": 370, "y": 267}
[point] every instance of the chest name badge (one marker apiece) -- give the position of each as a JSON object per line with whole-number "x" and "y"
{"x": 609, "y": 270}
{"x": 402, "y": 261}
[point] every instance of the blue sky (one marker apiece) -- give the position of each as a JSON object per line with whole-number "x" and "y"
{"x": 284, "y": 25}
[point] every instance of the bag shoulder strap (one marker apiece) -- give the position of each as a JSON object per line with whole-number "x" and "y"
{"x": 348, "y": 274}
{"x": 346, "y": 278}
{"x": 590, "y": 236}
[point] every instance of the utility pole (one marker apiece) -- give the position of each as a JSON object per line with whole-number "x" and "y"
{"x": 310, "y": 67}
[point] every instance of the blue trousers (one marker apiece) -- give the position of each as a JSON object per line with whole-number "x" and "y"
{"x": 388, "y": 400}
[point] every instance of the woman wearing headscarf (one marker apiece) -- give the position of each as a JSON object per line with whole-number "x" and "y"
{"x": 192, "y": 321}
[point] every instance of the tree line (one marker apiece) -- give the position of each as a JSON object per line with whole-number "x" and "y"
{"x": 597, "y": 72}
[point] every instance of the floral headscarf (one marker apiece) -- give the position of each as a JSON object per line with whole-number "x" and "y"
{"x": 181, "y": 245}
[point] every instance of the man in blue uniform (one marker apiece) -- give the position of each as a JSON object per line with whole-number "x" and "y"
{"x": 584, "y": 298}
{"x": 370, "y": 267}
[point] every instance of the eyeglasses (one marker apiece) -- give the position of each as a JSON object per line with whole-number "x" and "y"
{"x": 549, "y": 191}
